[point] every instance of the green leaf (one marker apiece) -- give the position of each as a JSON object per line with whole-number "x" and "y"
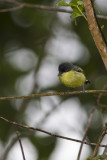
{"x": 77, "y": 3}
{"x": 80, "y": 3}
{"x": 101, "y": 157}
{"x": 75, "y": 15}
{"x": 77, "y": 7}
{"x": 62, "y": 3}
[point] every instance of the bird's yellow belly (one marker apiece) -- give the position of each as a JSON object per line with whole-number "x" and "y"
{"x": 72, "y": 79}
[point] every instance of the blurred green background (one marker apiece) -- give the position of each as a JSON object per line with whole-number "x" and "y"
{"x": 33, "y": 43}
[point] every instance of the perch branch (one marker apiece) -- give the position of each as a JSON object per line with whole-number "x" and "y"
{"x": 54, "y": 94}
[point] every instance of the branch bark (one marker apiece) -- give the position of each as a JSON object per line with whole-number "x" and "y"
{"x": 96, "y": 30}
{"x": 89, "y": 121}
{"x": 99, "y": 141}
{"x": 22, "y": 150}
{"x": 54, "y": 94}
{"x": 46, "y": 132}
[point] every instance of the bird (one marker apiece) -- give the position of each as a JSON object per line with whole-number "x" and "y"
{"x": 72, "y": 76}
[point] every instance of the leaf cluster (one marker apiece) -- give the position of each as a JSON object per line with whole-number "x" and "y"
{"x": 77, "y": 7}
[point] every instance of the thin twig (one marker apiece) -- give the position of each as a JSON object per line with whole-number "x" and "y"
{"x": 99, "y": 141}
{"x": 22, "y": 109}
{"x": 101, "y": 16}
{"x": 90, "y": 119}
{"x": 21, "y": 145}
{"x": 41, "y": 7}
{"x": 11, "y": 9}
{"x": 100, "y": 95}
{"x": 29, "y": 133}
{"x": 9, "y": 146}
{"x": 86, "y": 129}
{"x": 54, "y": 94}
{"x": 46, "y": 132}
{"x": 105, "y": 151}
{"x": 28, "y": 5}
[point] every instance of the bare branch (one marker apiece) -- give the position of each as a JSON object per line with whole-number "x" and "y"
{"x": 46, "y": 132}
{"x": 11, "y": 9}
{"x": 90, "y": 119}
{"x": 96, "y": 30}
{"x": 39, "y": 7}
{"x": 22, "y": 109}
{"x": 54, "y": 94}
{"x": 101, "y": 16}
{"x": 21, "y": 145}
{"x": 99, "y": 141}
{"x": 105, "y": 151}
{"x": 100, "y": 95}
{"x": 86, "y": 129}
{"x": 43, "y": 7}
{"x": 4, "y": 156}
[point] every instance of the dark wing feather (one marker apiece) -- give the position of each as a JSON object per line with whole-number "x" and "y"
{"x": 77, "y": 69}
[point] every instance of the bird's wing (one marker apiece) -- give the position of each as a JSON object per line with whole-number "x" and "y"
{"x": 77, "y": 69}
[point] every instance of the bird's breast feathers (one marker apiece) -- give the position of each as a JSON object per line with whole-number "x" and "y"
{"x": 72, "y": 79}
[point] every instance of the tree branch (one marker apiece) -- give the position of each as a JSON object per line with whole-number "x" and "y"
{"x": 21, "y": 5}
{"x": 11, "y": 9}
{"x": 54, "y": 94}
{"x": 46, "y": 132}
{"x": 99, "y": 141}
{"x": 96, "y": 30}
{"x": 43, "y": 7}
{"x": 105, "y": 151}
{"x": 20, "y": 145}
{"x": 89, "y": 121}
{"x": 86, "y": 129}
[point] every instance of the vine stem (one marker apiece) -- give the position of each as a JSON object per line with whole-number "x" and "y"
{"x": 82, "y": 13}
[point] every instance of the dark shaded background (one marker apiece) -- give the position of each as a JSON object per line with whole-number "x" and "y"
{"x": 28, "y": 64}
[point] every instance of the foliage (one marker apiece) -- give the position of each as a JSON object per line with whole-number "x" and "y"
{"x": 34, "y": 30}
{"x": 101, "y": 157}
{"x": 77, "y": 7}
